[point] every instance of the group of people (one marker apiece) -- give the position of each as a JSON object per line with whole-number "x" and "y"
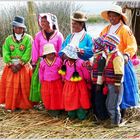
{"x": 59, "y": 72}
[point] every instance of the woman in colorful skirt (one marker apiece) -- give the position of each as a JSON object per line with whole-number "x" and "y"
{"x": 51, "y": 80}
{"x": 76, "y": 95}
{"x": 49, "y": 34}
{"x": 128, "y": 48}
{"x": 16, "y": 76}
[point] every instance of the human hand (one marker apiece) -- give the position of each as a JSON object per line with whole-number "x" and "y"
{"x": 14, "y": 69}
{"x": 87, "y": 64}
{"x": 98, "y": 88}
{"x": 33, "y": 67}
{"x": 126, "y": 58}
{"x": 18, "y": 67}
{"x": 117, "y": 89}
{"x": 80, "y": 51}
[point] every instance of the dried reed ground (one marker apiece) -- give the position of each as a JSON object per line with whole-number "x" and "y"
{"x": 39, "y": 124}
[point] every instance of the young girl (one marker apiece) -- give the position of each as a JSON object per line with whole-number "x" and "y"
{"x": 75, "y": 92}
{"x": 51, "y": 82}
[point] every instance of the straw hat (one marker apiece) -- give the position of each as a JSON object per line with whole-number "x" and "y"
{"x": 79, "y": 16}
{"x": 48, "y": 48}
{"x": 116, "y": 9}
{"x": 18, "y": 22}
{"x": 70, "y": 51}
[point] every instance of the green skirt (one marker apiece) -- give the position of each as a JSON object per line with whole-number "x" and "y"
{"x": 35, "y": 95}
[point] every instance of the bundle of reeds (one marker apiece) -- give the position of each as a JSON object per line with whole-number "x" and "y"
{"x": 32, "y": 19}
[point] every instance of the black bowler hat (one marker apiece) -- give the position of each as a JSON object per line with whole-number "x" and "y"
{"x": 18, "y": 22}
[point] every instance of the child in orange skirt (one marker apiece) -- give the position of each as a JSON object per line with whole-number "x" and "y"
{"x": 76, "y": 95}
{"x": 51, "y": 82}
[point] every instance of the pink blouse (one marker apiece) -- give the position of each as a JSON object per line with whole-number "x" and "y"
{"x": 83, "y": 71}
{"x": 40, "y": 40}
{"x": 49, "y": 72}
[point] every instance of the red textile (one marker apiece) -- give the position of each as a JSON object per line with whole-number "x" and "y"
{"x": 76, "y": 95}
{"x": 51, "y": 92}
{"x": 15, "y": 88}
{"x": 109, "y": 70}
{"x": 95, "y": 69}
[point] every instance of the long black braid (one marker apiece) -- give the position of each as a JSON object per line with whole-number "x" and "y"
{"x": 75, "y": 73}
{"x": 63, "y": 68}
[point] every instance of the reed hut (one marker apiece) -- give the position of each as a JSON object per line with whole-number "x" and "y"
{"x": 132, "y": 11}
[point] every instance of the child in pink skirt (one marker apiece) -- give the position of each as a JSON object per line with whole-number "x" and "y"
{"x": 51, "y": 82}
{"x": 76, "y": 95}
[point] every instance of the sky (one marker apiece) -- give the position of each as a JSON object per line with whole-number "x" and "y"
{"x": 90, "y": 7}
{"x": 94, "y": 7}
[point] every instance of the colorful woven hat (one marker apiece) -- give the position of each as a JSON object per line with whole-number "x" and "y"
{"x": 48, "y": 48}
{"x": 70, "y": 51}
{"x": 98, "y": 44}
{"x": 111, "y": 41}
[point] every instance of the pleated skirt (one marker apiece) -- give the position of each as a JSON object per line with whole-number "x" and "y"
{"x": 76, "y": 95}
{"x": 51, "y": 93}
{"x": 15, "y": 88}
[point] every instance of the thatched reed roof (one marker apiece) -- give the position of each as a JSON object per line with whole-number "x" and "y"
{"x": 129, "y": 4}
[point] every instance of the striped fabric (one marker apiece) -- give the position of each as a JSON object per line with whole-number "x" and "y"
{"x": 109, "y": 74}
{"x": 95, "y": 69}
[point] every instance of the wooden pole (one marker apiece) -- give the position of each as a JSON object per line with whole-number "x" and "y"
{"x": 32, "y": 19}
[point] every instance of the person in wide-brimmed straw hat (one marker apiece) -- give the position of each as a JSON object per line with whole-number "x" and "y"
{"x": 51, "y": 82}
{"x": 128, "y": 47}
{"x": 17, "y": 72}
{"x": 114, "y": 8}
{"x": 49, "y": 33}
{"x": 79, "y": 37}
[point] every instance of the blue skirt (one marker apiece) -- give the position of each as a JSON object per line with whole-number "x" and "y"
{"x": 131, "y": 90}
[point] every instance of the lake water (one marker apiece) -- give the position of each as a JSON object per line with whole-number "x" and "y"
{"x": 95, "y": 29}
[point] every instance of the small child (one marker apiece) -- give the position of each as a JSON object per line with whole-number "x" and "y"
{"x": 114, "y": 72}
{"x": 75, "y": 91}
{"x": 98, "y": 98}
{"x": 51, "y": 81}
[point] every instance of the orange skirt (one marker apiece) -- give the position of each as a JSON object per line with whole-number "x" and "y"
{"x": 76, "y": 95}
{"x": 15, "y": 88}
{"x": 51, "y": 92}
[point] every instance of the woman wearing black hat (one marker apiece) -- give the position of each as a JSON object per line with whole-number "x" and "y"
{"x": 15, "y": 80}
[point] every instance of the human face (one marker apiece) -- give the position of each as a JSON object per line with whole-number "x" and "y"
{"x": 45, "y": 24}
{"x": 114, "y": 18}
{"x": 18, "y": 30}
{"x": 50, "y": 56}
{"x": 76, "y": 26}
